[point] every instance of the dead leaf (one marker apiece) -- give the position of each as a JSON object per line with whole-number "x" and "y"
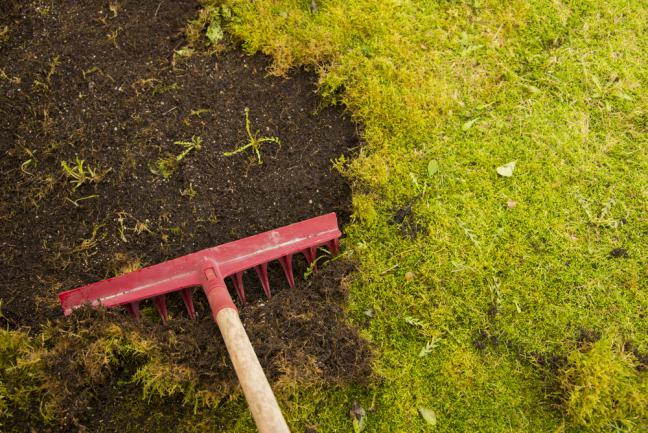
{"x": 433, "y": 167}
{"x": 358, "y": 417}
{"x": 506, "y": 170}
{"x": 531, "y": 89}
{"x": 428, "y": 415}
{"x": 469, "y": 124}
{"x": 511, "y": 203}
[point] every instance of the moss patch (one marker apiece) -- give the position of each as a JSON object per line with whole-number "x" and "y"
{"x": 503, "y": 273}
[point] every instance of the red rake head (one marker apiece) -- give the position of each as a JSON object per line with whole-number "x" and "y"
{"x": 208, "y": 268}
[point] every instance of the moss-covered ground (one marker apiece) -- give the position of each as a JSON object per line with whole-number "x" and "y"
{"x": 498, "y": 297}
{"x": 501, "y": 303}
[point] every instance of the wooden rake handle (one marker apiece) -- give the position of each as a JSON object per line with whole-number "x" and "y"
{"x": 261, "y": 401}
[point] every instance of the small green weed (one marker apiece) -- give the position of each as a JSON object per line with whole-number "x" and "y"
{"x": 4, "y": 35}
{"x": 77, "y": 202}
{"x": 52, "y": 68}
{"x": 138, "y": 227}
{"x": 79, "y": 173}
{"x": 92, "y": 241}
{"x": 144, "y": 85}
{"x": 255, "y": 141}
{"x": 31, "y": 160}
{"x": 199, "y": 112}
{"x": 207, "y": 27}
{"x": 25, "y": 164}
{"x": 166, "y": 166}
{"x": 195, "y": 143}
{"x": 189, "y": 191}
{"x": 181, "y": 54}
{"x": 340, "y": 164}
{"x": 112, "y": 36}
{"x": 312, "y": 267}
{"x": 161, "y": 89}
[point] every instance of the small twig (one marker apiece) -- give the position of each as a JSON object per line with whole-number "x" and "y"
{"x": 390, "y": 269}
{"x": 168, "y": 111}
{"x": 157, "y": 9}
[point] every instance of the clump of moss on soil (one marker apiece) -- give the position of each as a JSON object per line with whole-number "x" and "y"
{"x": 78, "y": 370}
{"x": 598, "y": 385}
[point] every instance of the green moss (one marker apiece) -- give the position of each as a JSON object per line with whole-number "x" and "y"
{"x": 47, "y": 378}
{"x": 526, "y": 260}
{"x": 601, "y": 390}
{"x": 23, "y": 394}
{"x": 364, "y": 208}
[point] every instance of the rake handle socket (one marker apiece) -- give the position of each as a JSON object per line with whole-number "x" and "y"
{"x": 216, "y": 292}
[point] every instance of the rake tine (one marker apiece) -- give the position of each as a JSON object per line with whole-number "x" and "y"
{"x": 160, "y": 304}
{"x": 133, "y": 309}
{"x": 262, "y": 272}
{"x": 186, "y": 298}
{"x": 237, "y": 279}
{"x": 310, "y": 254}
{"x": 334, "y": 246}
{"x": 286, "y": 265}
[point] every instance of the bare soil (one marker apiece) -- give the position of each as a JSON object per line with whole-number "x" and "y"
{"x": 80, "y": 81}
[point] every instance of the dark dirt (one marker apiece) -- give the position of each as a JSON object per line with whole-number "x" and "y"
{"x": 483, "y": 338}
{"x": 406, "y": 219}
{"x": 619, "y": 253}
{"x": 641, "y": 357}
{"x": 94, "y": 105}
{"x": 79, "y": 80}
{"x": 586, "y": 337}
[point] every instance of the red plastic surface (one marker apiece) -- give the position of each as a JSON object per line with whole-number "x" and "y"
{"x": 229, "y": 259}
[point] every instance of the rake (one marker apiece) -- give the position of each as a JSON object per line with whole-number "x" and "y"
{"x": 209, "y": 268}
